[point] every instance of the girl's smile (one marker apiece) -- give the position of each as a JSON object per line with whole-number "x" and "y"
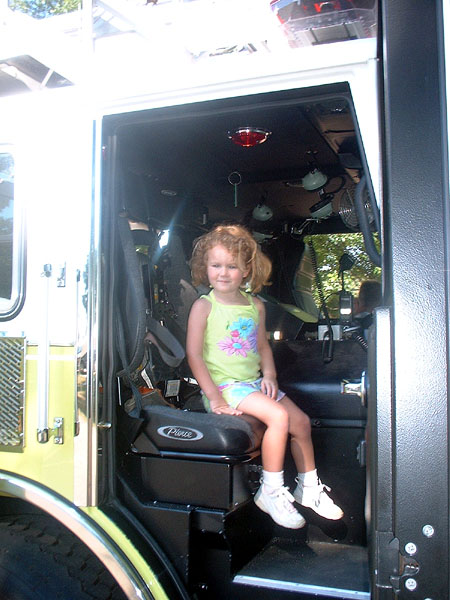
{"x": 224, "y": 274}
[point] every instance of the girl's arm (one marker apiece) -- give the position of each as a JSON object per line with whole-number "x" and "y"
{"x": 269, "y": 384}
{"x": 194, "y": 350}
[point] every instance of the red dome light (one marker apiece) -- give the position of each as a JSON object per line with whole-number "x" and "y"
{"x": 248, "y": 137}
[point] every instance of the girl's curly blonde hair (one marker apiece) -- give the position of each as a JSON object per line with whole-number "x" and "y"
{"x": 241, "y": 244}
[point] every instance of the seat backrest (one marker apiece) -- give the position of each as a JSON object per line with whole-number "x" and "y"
{"x": 302, "y": 284}
{"x": 180, "y": 292}
{"x": 292, "y": 275}
{"x": 138, "y": 318}
{"x": 133, "y": 304}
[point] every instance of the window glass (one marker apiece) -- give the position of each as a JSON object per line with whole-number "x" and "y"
{"x": 6, "y": 224}
{"x": 329, "y": 249}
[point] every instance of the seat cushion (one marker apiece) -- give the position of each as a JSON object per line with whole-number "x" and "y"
{"x": 174, "y": 430}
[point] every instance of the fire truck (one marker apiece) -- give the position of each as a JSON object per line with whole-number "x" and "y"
{"x": 127, "y": 130}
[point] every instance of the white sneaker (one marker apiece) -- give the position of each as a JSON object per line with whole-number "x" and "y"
{"x": 278, "y": 504}
{"x": 316, "y": 497}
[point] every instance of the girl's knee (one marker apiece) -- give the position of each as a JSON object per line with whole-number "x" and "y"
{"x": 300, "y": 424}
{"x": 279, "y": 417}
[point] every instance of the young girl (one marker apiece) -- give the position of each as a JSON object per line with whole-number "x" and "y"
{"x": 231, "y": 359}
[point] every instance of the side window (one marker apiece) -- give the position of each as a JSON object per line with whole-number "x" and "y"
{"x": 11, "y": 254}
{"x": 329, "y": 249}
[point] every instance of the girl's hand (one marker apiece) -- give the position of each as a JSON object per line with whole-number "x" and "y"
{"x": 225, "y": 409}
{"x": 269, "y": 387}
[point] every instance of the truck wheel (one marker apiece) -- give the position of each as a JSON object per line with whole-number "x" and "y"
{"x": 41, "y": 560}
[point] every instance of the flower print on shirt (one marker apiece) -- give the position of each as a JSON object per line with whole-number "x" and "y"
{"x": 253, "y": 339}
{"x": 243, "y": 326}
{"x": 234, "y": 345}
{"x": 242, "y": 339}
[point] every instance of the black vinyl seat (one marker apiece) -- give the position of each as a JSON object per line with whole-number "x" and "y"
{"x": 169, "y": 432}
{"x": 163, "y": 430}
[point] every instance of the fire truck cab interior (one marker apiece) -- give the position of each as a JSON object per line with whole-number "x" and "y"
{"x": 286, "y": 165}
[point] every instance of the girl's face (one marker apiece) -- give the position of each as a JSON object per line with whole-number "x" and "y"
{"x": 224, "y": 274}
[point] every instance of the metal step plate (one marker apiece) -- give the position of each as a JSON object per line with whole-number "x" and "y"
{"x": 329, "y": 570}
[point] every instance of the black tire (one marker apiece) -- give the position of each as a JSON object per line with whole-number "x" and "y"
{"x": 41, "y": 560}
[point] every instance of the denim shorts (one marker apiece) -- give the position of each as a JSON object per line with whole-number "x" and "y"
{"x": 234, "y": 393}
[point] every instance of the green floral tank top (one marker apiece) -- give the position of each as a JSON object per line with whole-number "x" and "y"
{"x": 230, "y": 348}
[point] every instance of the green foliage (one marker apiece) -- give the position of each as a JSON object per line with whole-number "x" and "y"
{"x": 6, "y": 192}
{"x": 6, "y": 167}
{"x": 329, "y": 249}
{"x": 40, "y": 9}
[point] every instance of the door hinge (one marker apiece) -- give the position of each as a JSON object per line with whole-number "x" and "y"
{"x": 56, "y": 432}
{"x": 387, "y": 560}
{"x": 394, "y": 569}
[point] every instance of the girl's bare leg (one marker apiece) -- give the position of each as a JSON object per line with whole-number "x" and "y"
{"x": 273, "y": 497}
{"x": 310, "y": 490}
{"x": 300, "y": 430}
{"x": 276, "y": 418}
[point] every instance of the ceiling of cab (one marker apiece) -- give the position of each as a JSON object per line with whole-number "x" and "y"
{"x": 185, "y": 160}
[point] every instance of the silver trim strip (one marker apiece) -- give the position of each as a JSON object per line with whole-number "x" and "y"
{"x": 84, "y": 528}
{"x": 301, "y": 587}
{"x": 43, "y": 359}
{"x": 86, "y": 439}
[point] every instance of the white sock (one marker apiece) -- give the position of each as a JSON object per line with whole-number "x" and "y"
{"x": 273, "y": 479}
{"x": 308, "y": 478}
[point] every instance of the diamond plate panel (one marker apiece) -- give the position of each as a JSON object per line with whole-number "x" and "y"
{"x": 12, "y": 384}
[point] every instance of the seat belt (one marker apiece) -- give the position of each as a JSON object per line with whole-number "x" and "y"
{"x": 160, "y": 336}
